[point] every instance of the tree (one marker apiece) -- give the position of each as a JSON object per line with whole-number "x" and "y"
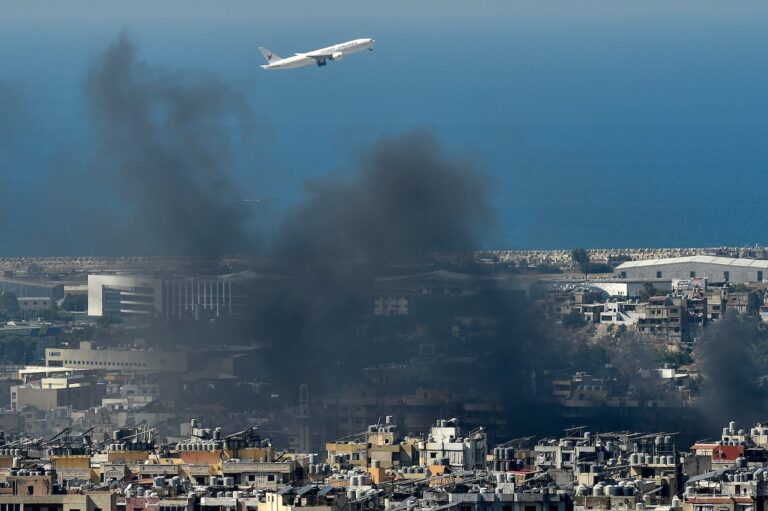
{"x": 15, "y": 349}
{"x": 579, "y": 256}
{"x": 108, "y": 320}
{"x": 75, "y": 303}
{"x": 548, "y": 268}
{"x": 591, "y": 267}
{"x": 9, "y": 305}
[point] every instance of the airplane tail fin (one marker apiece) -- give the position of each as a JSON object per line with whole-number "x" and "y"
{"x": 269, "y": 56}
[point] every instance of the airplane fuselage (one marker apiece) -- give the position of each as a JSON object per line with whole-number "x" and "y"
{"x": 320, "y": 56}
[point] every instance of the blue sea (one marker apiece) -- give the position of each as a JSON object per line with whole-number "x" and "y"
{"x": 595, "y": 132}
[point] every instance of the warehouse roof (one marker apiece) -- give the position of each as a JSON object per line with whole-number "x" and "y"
{"x": 699, "y": 259}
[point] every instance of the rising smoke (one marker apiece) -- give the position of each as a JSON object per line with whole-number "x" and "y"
{"x": 728, "y": 355}
{"x": 166, "y": 146}
{"x": 407, "y": 200}
{"x": 165, "y": 143}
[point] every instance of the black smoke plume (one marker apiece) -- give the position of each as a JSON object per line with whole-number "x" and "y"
{"x": 728, "y": 355}
{"x": 165, "y": 146}
{"x": 407, "y": 200}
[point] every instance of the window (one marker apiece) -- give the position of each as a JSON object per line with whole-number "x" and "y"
{"x": 271, "y": 477}
{"x": 623, "y": 275}
{"x": 30, "y": 490}
{"x": 658, "y": 274}
{"x": 726, "y": 276}
{"x": 530, "y": 508}
{"x": 692, "y": 274}
{"x": 759, "y": 275}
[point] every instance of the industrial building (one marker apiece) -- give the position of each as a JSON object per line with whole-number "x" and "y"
{"x": 215, "y": 296}
{"x": 29, "y": 287}
{"x": 35, "y": 303}
{"x": 77, "y": 391}
{"x": 124, "y": 295}
{"x": 134, "y": 295}
{"x": 86, "y": 357}
{"x": 712, "y": 268}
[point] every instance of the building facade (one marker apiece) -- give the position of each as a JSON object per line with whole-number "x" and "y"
{"x": 712, "y": 268}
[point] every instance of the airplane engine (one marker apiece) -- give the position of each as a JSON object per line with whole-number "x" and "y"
{"x": 337, "y": 56}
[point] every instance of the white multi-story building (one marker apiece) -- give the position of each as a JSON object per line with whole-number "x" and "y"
{"x": 124, "y": 295}
{"x": 447, "y": 441}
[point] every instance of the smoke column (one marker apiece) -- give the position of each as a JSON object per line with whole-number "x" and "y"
{"x": 728, "y": 362}
{"x": 406, "y": 200}
{"x": 165, "y": 144}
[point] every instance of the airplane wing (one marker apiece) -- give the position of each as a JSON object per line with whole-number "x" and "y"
{"x": 320, "y": 56}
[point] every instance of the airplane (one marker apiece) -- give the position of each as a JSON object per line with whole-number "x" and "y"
{"x": 319, "y": 57}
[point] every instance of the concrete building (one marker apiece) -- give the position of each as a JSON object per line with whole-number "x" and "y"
{"x": 508, "y": 501}
{"x": 381, "y": 448}
{"x": 728, "y": 489}
{"x": 38, "y": 491}
{"x": 665, "y": 318}
{"x": 621, "y": 313}
{"x": 77, "y": 391}
{"x": 30, "y": 287}
{"x": 179, "y": 298}
{"x": 630, "y": 287}
{"x": 447, "y": 445}
{"x": 214, "y": 296}
{"x": 712, "y": 268}
{"x": 32, "y": 303}
{"x": 88, "y": 357}
{"x": 124, "y": 295}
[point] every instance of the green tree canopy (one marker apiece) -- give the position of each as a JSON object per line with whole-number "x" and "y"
{"x": 9, "y": 305}
{"x": 75, "y": 303}
{"x": 579, "y": 256}
{"x": 591, "y": 267}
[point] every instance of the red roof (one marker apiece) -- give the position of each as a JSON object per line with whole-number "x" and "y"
{"x": 727, "y": 452}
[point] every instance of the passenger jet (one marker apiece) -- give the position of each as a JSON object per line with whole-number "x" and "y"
{"x": 319, "y": 57}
